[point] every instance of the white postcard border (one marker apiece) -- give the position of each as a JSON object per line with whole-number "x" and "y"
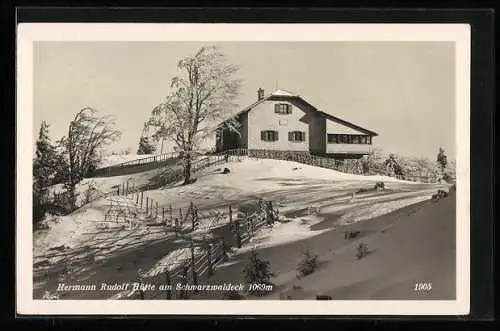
{"x": 28, "y": 33}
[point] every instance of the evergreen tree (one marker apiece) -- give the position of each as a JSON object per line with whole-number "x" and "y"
{"x": 442, "y": 159}
{"x": 45, "y": 167}
{"x": 145, "y": 146}
{"x": 257, "y": 272}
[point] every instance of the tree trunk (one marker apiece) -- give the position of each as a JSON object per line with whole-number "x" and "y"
{"x": 187, "y": 168}
{"x": 71, "y": 189}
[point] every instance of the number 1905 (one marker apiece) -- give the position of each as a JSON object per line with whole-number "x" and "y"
{"x": 423, "y": 287}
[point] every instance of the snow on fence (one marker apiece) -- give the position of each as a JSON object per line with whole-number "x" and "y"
{"x": 187, "y": 266}
{"x": 199, "y": 258}
{"x": 143, "y": 164}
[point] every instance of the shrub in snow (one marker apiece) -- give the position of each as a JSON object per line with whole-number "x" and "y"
{"x": 379, "y": 186}
{"x": 308, "y": 264}
{"x": 62, "y": 204}
{"x": 323, "y": 297}
{"x": 348, "y": 234}
{"x": 439, "y": 195}
{"x": 361, "y": 250}
{"x": 89, "y": 193}
{"x": 257, "y": 272}
{"x": 314, "y": 209}
{"x": 226, "y": 171}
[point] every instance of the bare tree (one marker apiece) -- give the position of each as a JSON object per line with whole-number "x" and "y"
{"x": 201, "y": 100}
{"x": 87, "y": 135}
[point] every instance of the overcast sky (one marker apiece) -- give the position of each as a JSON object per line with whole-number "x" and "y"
{"x": 404, "y": 91}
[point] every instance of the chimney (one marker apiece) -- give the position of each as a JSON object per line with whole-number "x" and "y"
{"x": 260, "y": 94}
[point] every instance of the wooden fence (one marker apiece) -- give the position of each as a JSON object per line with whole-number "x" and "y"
{"x": 211, "y": 252}
{"x": 138, "y": 165}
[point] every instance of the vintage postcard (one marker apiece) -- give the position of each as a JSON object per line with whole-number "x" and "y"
{"x": 246, "y": 169}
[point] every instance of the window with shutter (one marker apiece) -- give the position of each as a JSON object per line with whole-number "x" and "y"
{"x": 296, "y": 136}
{"x": 269, "y": 135}
{"x": 283, "y": 108}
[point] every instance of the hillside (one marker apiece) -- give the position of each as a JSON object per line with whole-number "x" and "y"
{"x": 293, "y": 186}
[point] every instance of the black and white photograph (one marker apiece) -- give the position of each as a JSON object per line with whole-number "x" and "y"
{"x": 282, "y": 167}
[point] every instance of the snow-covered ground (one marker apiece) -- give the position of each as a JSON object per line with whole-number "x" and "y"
{"x": 292, "y": 185}
{"x": 171, "y": 261}
{"x": 300, "y": 228}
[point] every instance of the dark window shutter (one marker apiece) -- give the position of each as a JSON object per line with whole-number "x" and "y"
{"x": 262, "y": 135}
{"x": 303, "y": 136}
{"x": 276, "y": 136}
{"x": 277, "y": 108}
{"x": 288, "y": 109}
{"x": 290, "y": 136}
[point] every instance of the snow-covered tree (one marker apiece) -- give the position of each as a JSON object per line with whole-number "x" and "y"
{"x": 45, "y": 158}
{"x": 442, "y": 159}
{"x": 393, "y": 166}
{"x": 374, "y": 162}
{"x": 46, "y": 166}
{"x": 202, "y": 98}
{"x": 87, "y": 135}
{"x": 145, "y": 146}
{"x": 257, "y": 271}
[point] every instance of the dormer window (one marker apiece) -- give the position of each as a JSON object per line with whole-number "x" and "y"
{"x": 283, "y": 108}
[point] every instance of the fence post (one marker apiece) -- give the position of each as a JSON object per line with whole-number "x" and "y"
{"x": 193, "y": 266}
{"x": 194, "y": 214}
{"x": 249, "y": 227}
{"x": 209, "y": 270}
{"x": 118, "y": 191}
{"x": 147, "y": 205}
{"x": 185, "y": 282}
{"x": 170, "y": 215}
{"x": 180, "y": 215}
{"x": 169, "y": 284}
{"x": 237, "y": 233}
{"x": 163, "y": 214}
{"x": 126, "y": 190}
{"x": 230, "y": 214}
{"x": 123, "y": 188}
{"x": 137, "y": 199}
{"x": 156, "y": 209}
{"x": 142, "y": 198}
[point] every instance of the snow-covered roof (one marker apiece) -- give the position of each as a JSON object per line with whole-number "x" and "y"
{"x": 283, "y": 93}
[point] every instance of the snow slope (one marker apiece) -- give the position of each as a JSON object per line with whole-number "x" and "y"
{"x": 292, "y": 185}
